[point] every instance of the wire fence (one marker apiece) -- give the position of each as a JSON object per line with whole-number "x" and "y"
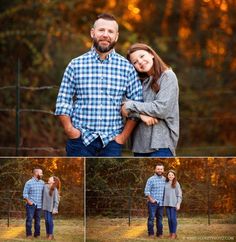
{"x": 12, "y": 205}
{"x": 183, "y": 149}
{"x": 130, "y": 203}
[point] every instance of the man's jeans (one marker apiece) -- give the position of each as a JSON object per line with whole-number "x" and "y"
{"x": 76, "y": 147}
{"x": 172, "y": 219}
{"x": 163, "y": 152}
{"x": 155, "y": 211}
{"x": 48, "y": 222}
{"x": 32, "y": 212}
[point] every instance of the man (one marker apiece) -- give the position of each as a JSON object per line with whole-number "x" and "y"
{"x": 154, "y": 191}
{"x": 91, "y": 94}
{"x": 33, "y": 192}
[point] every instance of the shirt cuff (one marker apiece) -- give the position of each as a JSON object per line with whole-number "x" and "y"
{"x": 63, "y": 109}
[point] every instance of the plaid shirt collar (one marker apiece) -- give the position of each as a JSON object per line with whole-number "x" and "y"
{"x": 96, "y": 56}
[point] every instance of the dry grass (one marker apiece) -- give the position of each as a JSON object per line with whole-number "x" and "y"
{"x": 66, "y": 230}
{"x": 189, "y": 229}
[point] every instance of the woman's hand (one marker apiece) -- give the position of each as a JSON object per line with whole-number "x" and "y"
{"x": 177, "y": 207}
{"x": 124, "y": 111}
{"x": 148, "y": 120}
{"x": 54, "y": 211}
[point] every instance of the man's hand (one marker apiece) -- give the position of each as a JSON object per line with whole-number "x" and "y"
{"x": 72, "y": 132}
{"x": 177, "y": 207}
{"x": 29, "y": 202}
{"x": 120, "y": 139}
{"x": 124, "y": 111}
{"x": 124, "y": 135}
{"x": 69, "y": 129}
{"x": 148, "y": 120}
{"x": 152, "y": 200}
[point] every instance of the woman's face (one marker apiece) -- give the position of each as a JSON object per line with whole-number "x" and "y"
{"x": 142, "y": 60}
{"x": 171, "y": 176}
{"x": 51, "y": 180}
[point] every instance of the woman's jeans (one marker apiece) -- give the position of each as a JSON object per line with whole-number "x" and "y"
{"x": 32, "y": 212}
{"x": 172, "y": 219}
{"x": 48, "y": 222}
{"x": 163, "y": 152}
{"x": 155, "y": 211}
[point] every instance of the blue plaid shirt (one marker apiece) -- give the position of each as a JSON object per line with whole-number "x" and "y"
{"x": 33, "y": 190}
{"x": 92, "y": 91}
{"x": 155, "y": 188}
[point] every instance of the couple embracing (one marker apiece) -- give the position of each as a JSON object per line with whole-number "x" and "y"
{"x": 101, "y": 87}
{"x": 163, "y": 192}
{"x": 41, "y": 196}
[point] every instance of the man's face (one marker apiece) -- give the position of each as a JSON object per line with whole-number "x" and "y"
{"x": 39, "y": 174}
{"x": 159, "y": 170}
{"x": 104, "y": 34}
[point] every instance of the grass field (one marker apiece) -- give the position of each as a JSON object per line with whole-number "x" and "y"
{"x": 66, "y": 230}
{"x": 189, "y": 229}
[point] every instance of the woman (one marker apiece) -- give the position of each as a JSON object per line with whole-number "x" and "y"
{"x": 157, "y": 135}
{"x": 172, "y": 201}
{"x": 50, "y": 203}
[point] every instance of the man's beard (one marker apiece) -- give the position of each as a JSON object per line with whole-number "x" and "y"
{"x": 159, "y": 174}
{"x": 103, "y": 49}
{"x": 39, "y": 177}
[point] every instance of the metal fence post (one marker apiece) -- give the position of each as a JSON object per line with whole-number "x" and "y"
{"x": 18, "y": 107}
{"x": 129, "y": 204}
{"x": 208, "y": 192}
{"x": 9, "y": 209}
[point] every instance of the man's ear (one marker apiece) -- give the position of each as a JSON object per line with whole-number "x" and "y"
{"x": 92, "y": 33}
{"x": 117, "y": 36}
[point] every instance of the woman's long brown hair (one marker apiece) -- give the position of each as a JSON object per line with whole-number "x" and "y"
{"x": 159, "y": 65}
{"x": 174, "y": 181}
{"x": 56, "y": 184}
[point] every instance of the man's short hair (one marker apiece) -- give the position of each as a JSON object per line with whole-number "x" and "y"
{"x": 35, "y": 169}
{"x": 106, "y": 16}
{"x": 159, "y": 164}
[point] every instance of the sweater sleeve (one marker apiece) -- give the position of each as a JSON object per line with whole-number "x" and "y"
{"x": 178, "y": 192}
{"x": 164, "y": 101}
{"x": 56, "y": 200}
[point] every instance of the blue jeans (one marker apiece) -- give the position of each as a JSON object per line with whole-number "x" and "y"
{"x": 76, "y": 147}
{"x": 48, "y": 222}
{"x": 172, "y": 219}
{"x": 154, "y": 210}
{"x": 32, "y": 212}
{"x": 162, "y": 152}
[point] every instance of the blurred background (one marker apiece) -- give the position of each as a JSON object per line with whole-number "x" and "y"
{"x": 197, "y": 38}
{"x": 115, "y": 187}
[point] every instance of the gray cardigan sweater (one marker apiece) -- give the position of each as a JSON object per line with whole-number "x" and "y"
{"x": 163, "y": 105}
{"x": 50, "y": 203}
{"x": 172, "y": 196}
